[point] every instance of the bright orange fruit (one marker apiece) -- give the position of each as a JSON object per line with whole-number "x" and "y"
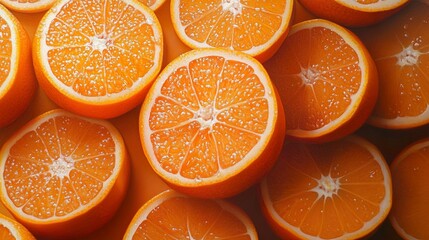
{"x": 327, "y": 81}
{"x": 354, "y": 13}
{"x": 17, "y": 80}
{"x": 212, "y": 124}
{"x": 62, "y": 175}
{"x": 254, "y": 27}
{"x": 171, "y": 215}
{"x": 335, "y": 190}
{"x": 13, "y": 230}
{"x": 97, "y": 58}
{"x": 399, "y": 47}
{"x": 410, "y": 176}
{"x": 28, "y": 6}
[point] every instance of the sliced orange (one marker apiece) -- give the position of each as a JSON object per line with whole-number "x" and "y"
{"x": 410, "y": 176}
{"x": 354, "y": 13}
{"x": 254, "y": 27}
{"x": 153, "y": 4}
{"x": 400, "y": 48}
{"x": 95, "y": 58}
{"x": 17, "y": 79}
{"x": 212, "y": 124}
{"x": 171, "y": 215}
{"x": 335, "y": 190}
{"x": 28, "y": 6}
{"x": 326, "y": 79}
{"x": 13, "y": 230}
{"x": 63, "y": 176}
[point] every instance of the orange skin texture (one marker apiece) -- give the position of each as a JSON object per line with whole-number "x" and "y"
{"x": 331, "y": 10}
{"x": 250, "y": 175}
{"x": 18, "y": 97}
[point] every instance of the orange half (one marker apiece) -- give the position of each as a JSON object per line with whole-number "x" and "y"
{"x": 336, "y": 190}
{"x": 17, "y": 80}
{"x": 62, "y": 175}
{"x": 212, "y": 123}
{"x": 28, "y": 6}
{"x": 98, "y": 59}
{"x": 410, "y": 175}
{"x": 327, "y": 81}
{"x": 254, "y": 27}
{"x": 13, "y": 230}
{"x": 171, "y": 215}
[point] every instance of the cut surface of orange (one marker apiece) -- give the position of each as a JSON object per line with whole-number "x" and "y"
{"x": 98, "y": 58}
{"x": 254, "y": 27}
{"x": 326, "y": 79}
{"x": 354, "y": 13}
{"x": 17, "y": 79}
{"x": 153, "y": 4}
{"x": 336, "y": 190}
{"x": 171, "y": 215}
{"x": 400, "y": 48}
{"x": 410, "y": 176}
{"x": 62, "y": 175}
{"x": 212, "y": 124}
{"x": 28, "y": 6}
{"x": 13, "y": 230}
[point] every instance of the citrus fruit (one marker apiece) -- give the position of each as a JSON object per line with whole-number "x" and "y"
{"x": 410, "y": 175}
{"x": 17, "y": 80}
{"x": 28, "y": 6}
{"x": 98, "y": 59}
{"x": 212, "y": 124}
{"x": 171, "y": 215}
{"x": 254, "y": 27}
{"x": 63, "y": 175}
{"x": 335, "y": 190}
{"x": 354, "y": 13}
{"x": 326, "y": 79}
{"x": 13, "y": 230}
{"x": 399, "y": 48}
{"x": 153, "y": 4}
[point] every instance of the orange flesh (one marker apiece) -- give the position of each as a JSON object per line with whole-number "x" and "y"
{"x": 100, "y": 52}
{"x": 237, "y": 26}
{"x": 58, "y": 167}
{"x": 5, "y": 233}
{"x": 318, "y": 81}
{"x": 213, "y": 109}
{"x": 356, "y": 184}
{"x": 179, "y": 218}
{"x": 411, "y": 194}
{"x": 404, "y": 90}
{"x": 5, "y": 50}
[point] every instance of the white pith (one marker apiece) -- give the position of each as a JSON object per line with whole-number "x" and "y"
{"x": 381, "y": 5}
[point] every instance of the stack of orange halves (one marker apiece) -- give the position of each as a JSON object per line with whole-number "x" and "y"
{"x": 258, "y": 99}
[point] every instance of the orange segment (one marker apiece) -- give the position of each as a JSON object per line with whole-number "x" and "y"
{"x": 336, "y": 190}
{"x": 327, "y": 81}
{"x": 153, "y": 4}
{"x": 254, "y": 27}
{"x": 354, "y": 13}
{"x": 13, "y": 230}
{"x": 17, "y": 79}
{"x": 28, "y": 6}
{"x": 399, "y": 47}
{"x": 410, "y": 175}
{"x": 171, "y": 215}
{"x": 98, "y": 59}
{"x": 63, "y": 175}
{"x": 212, "y": 123}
